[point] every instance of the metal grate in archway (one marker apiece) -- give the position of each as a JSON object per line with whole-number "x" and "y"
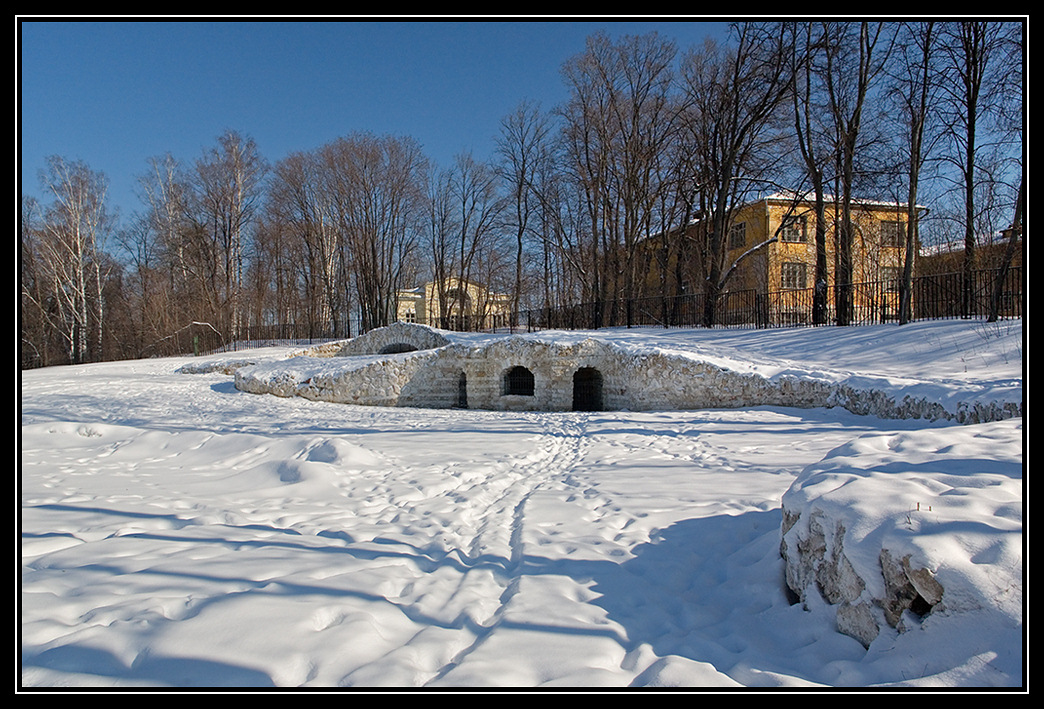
{"x": 519, "y": 381}
{"x": 462, "y": 391}
{"x": 587, "y": 389}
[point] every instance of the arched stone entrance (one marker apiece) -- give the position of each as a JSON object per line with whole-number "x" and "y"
{"x": 587, "y": 389}
{"x": 462, "y": 391}
{"x": 397, "y": 347}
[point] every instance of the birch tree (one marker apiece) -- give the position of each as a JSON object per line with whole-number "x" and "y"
{"x": 228, "y": 182}
{"x": 69, "y": 258}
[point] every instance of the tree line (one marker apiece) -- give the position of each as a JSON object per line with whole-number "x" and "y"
{"x": 649, "y": 137}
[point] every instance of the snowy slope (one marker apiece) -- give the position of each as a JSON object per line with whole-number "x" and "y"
{"x": 177, "y": 532}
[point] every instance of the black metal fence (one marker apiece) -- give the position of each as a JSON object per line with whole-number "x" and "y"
{"x": 934, "y": 297}
{"x": 203, "y": 338}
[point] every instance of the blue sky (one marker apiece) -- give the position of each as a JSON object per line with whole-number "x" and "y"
{"x": 115, "y": 93}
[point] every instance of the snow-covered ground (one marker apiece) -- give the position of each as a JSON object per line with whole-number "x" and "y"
{"x": 176, "y": 532}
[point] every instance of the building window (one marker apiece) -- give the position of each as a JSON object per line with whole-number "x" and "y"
{"x": 890, "y": 279}
{"x": 518, "y": 381}
{"x": 410, "y": 317}
{"x": 793, "y": 273}
{"x": 738, "y": 236}
{"x": 891, "y": 233}
{"x": 793, "y": 230}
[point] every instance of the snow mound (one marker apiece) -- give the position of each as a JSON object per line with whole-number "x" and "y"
{"x": 902, "y": 532}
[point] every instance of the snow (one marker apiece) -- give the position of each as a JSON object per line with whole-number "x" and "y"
{"x": 177, "y": 532}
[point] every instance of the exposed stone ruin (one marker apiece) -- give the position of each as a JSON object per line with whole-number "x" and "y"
{"x": 414, "y": 365}
{"x": 815, "y": 561}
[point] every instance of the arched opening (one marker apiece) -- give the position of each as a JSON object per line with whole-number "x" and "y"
{"x": 397, "y": 347}
{"x": 462, "y": 391}
{"x": 587, "y": 389}
{"x": 519, "y": 382}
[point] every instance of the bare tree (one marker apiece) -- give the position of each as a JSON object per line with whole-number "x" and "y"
{"x": 914, "y": 88}
{"x": 972, "y": 50}
{"x": 164, "y": 192}
{"x": 441, "y": 234}
{"x": 476, "y": 206}
{"x": 855, "y": 57}
{"x": 69, "y": 253}
{"x": 1015, "y": 233}
{"x": 1013, "y": 47}
{"x": 184, "y": 248}
{"x": 228, "y": 183}
{"x": 37, "y": 312}
{"x": 562, "y": 269}
{"x": 147, "y": 288}
{"x": 164, "y": 255}
{"x": 618, "y": 119}
{"x": 300, "y": 203}
{"x": 734, "y": 94}
{"x": 376, "y": 187}
{"x": 521, "y": 148}
{"x": 816, "y": 145}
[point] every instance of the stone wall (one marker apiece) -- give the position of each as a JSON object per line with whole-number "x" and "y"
{"x": 552, "y": 367}
{"x": 397, "y": 337}
{"x": 438, "y": 373}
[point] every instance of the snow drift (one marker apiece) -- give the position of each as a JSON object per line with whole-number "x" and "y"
{"x": 180, "y": 532}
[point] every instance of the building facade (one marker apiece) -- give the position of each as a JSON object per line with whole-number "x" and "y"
{"x": 462, "y": 306}
{"x": 878, "y": 246}
{"x": 771, "y": 251}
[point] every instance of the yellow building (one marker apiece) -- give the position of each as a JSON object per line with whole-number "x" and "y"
{"x": 771, "y": 244}
{"x": 468, "y": 306}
